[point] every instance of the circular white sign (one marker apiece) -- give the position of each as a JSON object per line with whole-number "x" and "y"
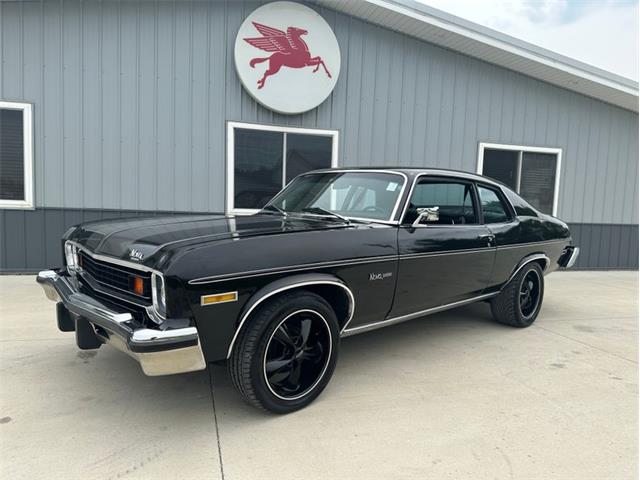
{"x": 287, "y": 57}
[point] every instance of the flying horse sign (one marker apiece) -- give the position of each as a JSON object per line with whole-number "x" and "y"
{"x": 287, "y": 57}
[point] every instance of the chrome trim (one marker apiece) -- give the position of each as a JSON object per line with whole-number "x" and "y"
{"x": 391, "y": 220}
{"x": 410, "y": 316}
{"x": 354, "y": 261}
{"x": 455, "y": 175}
{"x": 324, "y": 369}
{"x": 573, "y": 258}
{"x": 526, "y": 261}
{"x": 114, "y": 260}
{"x": 289, "y": 287}
{"x": 290, "y": 268}
{"x": 202, "y": 297}
{"x": 151, "y": 310}
{"x": 159, "y": 352}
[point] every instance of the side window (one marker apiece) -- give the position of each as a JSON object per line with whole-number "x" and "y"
{"x": 454, "y": 202}
{"x": 493, "y": 209}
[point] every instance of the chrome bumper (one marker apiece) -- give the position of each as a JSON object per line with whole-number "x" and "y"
{"x": 569, "y": 256}
{"x": 159, "y": 352}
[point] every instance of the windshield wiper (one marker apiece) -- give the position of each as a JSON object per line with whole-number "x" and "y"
{"x": 277, "y": 209}
{"x": 326, "y": 212}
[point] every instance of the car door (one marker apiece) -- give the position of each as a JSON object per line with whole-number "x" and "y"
{"x": 445, "y": 259}
{"x": 507, "y": 230}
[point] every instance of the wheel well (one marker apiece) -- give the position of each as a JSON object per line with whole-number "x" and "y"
{"x": 542, "y": 262}
{"x": 334, "y": 292}
{"x": 335, "y": 296}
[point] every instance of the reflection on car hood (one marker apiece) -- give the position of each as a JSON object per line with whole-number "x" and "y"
{"x": 152, "y": 236}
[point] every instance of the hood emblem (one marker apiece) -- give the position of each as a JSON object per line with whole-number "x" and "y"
{"x": 136, "y": 255}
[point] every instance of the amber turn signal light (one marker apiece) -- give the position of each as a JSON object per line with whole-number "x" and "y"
{"x": 138, "y": 286}
{"x": 218, "y": 298}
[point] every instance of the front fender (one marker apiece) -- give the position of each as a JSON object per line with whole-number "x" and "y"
{"x": 290, "y": 283}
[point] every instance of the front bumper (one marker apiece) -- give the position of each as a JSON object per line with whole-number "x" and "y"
{"x": 159, "y": 352}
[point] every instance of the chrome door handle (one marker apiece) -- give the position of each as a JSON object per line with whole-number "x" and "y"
{"x": 489, "y": 237}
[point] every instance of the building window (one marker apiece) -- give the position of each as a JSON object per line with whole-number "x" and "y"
{"x": 16, "y": 155}
{"x": 533, "y": 172}
{"x": 262, "y": 159}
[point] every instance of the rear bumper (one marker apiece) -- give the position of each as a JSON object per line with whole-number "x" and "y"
{"x": 569, "y": 256}
{"x": 159, "y": 352}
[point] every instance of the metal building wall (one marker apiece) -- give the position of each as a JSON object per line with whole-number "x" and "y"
{"x": 131, "y": 99}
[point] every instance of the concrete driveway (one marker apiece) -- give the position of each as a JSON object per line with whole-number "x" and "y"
{"x": 453, "y": 395}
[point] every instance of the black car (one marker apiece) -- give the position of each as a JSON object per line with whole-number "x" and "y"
{"x": 336, "y": 253}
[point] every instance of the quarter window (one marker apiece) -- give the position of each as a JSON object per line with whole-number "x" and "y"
{"x": 262, "y": 159}
{"x": 533, "y": 172}
{"x": 454, "y": 202}
{"x": 16, "y": 155}
{"x": 493, "y": 208}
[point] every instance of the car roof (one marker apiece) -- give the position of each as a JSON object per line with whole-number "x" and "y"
{"x": 412, "y": 172}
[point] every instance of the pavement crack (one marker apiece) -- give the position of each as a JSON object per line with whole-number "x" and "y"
{"x": 215, "y": 421}
{"x": 588, "y": 345}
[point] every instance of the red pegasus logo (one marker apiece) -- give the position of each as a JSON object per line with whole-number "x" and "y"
{"x": 290, "y": 50}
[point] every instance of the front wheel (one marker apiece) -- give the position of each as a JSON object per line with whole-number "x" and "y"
{"x": 519, "y": 302}
{"x": 287, "y": 353}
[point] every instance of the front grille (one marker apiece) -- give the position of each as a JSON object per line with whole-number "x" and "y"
{"x": 116, "y": 277}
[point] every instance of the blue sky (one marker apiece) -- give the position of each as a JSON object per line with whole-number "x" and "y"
{"x": 603, "y": 33}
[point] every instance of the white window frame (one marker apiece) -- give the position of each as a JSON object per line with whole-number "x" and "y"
{"x": 231, "y": 126}
{"x": 27, "y": 142}
{"x": 524, "y": 149}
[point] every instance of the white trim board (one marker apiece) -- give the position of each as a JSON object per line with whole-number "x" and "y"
{"x": 27, "y": 143}
{"x": 230, "y": 173}
{"x": 521, "y": 149}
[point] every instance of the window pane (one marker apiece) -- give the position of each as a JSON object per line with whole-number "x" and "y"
{"x": 501, "y": 165}
{"x": 537, "y": 180}
{"x": 454, "y": 202}
{"x": 306, "y": 153}
{"x": 352, "y": 194}
{"x": 493, "y": 209}
{"x": 258, "y": 167}
{"x": 11, "y": 155}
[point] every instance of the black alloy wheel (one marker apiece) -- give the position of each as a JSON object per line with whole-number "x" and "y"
{"x": 529, "y": 293}
{"x": 287, "y": 352}
{"x": 520, "y": 300}
{"x": 297, "y": 354}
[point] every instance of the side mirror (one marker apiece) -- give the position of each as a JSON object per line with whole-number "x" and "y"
{"x": 428, "y": 214}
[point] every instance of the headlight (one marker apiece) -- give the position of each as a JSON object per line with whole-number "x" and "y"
{"x": 158, "y": 294}
{"x": 71, "y": 256}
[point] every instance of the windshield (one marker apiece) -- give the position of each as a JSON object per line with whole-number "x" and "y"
{"x": 365, "y": 195}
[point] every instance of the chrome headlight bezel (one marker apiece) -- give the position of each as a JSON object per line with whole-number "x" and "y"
{"x": 158, "y": 294}
{"x": 71, "y": 256}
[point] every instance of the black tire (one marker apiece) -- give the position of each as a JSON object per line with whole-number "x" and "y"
{"x": 511, "y": 306}
{"x": 258, "y": 342}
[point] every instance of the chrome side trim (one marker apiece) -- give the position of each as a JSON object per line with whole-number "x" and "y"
{"x": 410, "y": 316}
{"x": 527, "y": 260}
{"x": 246, "y": 315}
{"x": 290, "y": 268}
{"x": 353, "y": 261}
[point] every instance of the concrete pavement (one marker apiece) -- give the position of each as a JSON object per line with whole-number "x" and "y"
{"x": 453, "y": 395}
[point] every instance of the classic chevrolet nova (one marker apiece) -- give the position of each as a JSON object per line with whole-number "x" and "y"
{"x": 336, "y": 253}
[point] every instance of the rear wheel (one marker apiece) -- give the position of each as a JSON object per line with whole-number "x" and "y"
{"x": 519, "y": 302}
{"x": 287, "y": 353}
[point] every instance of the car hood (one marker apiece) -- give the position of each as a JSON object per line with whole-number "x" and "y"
{"x": 152, "y": 241}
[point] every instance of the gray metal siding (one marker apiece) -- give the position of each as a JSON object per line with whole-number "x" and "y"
{"x": 131, "y": 99}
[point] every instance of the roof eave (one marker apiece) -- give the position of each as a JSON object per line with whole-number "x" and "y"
{"x": 431, "y": 25}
